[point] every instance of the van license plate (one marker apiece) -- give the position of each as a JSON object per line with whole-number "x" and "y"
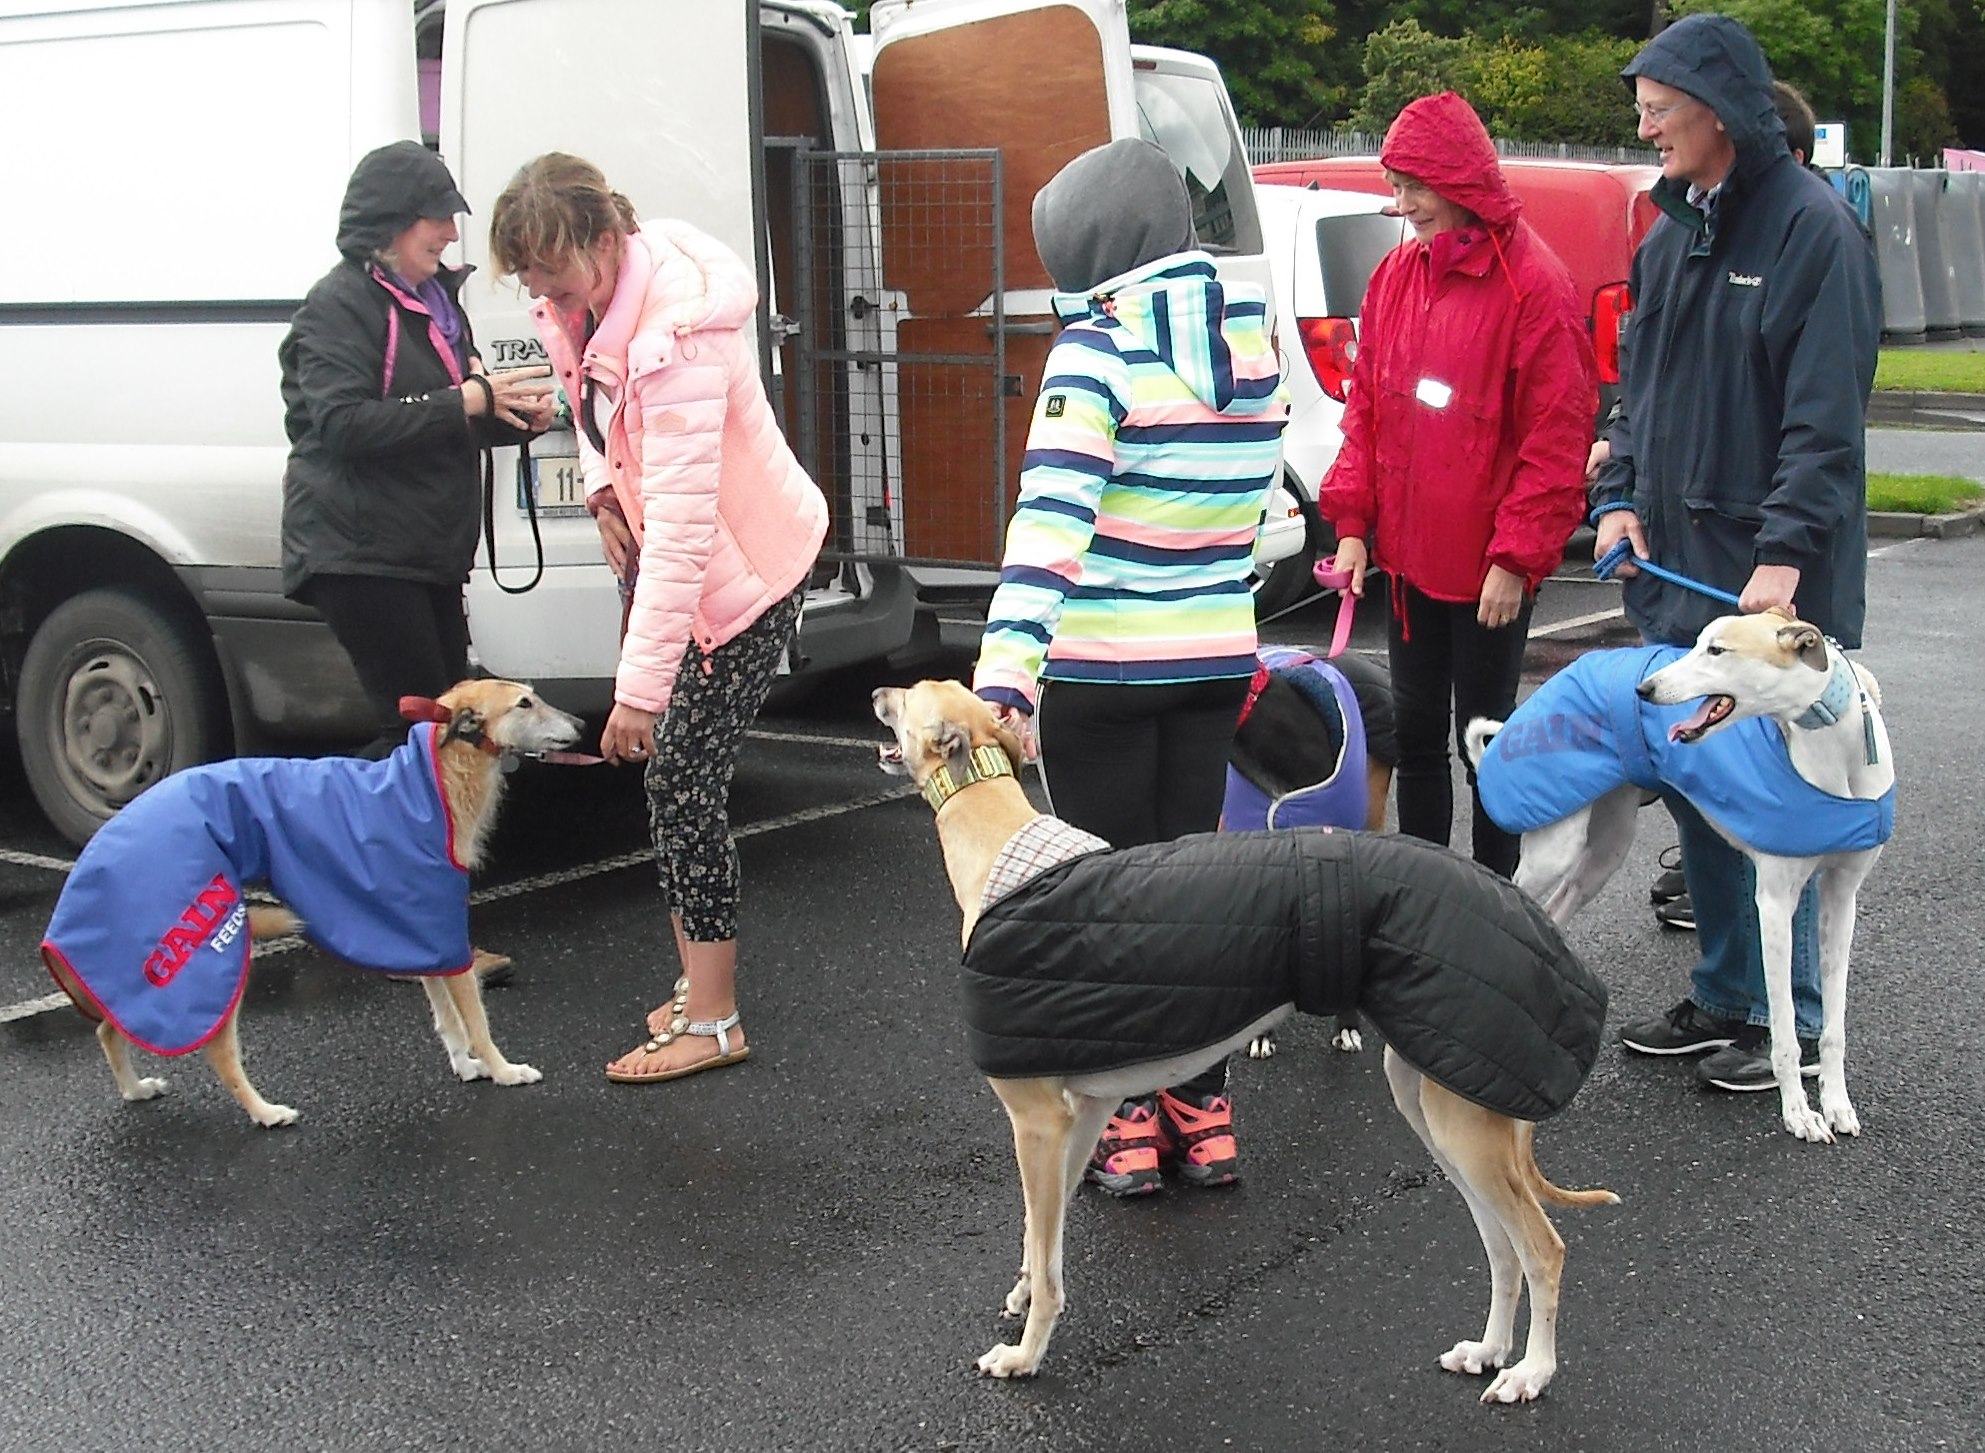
{"x": 556, "y": 483}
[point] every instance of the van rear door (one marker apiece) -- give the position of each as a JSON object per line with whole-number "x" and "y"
{"x": 676, "y": 135}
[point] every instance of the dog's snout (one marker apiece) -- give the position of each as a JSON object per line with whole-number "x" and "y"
{"x": 1645, "y": 689}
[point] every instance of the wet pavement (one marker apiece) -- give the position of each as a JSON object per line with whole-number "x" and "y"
{"x": 808, "y": 1251}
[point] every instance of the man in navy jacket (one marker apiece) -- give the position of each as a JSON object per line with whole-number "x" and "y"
{"x": 1740, "y": 455}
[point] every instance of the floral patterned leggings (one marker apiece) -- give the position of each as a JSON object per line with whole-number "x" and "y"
{"x": 688, "y": 777}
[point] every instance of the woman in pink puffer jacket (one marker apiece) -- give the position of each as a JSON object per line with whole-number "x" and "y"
{"x": 705, "y": 516}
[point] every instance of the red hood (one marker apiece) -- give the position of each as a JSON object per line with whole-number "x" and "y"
{"x": 1440, "y": 140}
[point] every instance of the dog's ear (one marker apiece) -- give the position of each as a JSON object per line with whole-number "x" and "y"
{"x": 1804, "y": 640}
{"x": 952, "y": 744}
{"x": 466, "y": 725}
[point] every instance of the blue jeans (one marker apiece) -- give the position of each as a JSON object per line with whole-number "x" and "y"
{"x": 1729, "y": 981}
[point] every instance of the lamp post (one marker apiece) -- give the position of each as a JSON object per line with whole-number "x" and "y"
{"x": 1888, "y": 82}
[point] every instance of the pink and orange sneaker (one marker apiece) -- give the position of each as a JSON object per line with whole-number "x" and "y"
{"x": 1125, "y": 1161}
{"x": 1196, "y": 1138}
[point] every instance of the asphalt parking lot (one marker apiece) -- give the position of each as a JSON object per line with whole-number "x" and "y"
{"x": 808, "y": 1251}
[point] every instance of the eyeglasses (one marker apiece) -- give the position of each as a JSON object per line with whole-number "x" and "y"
{"x": 1658, "y": 114}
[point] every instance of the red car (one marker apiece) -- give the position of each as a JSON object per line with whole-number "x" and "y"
{"x": 1593, "y": 215}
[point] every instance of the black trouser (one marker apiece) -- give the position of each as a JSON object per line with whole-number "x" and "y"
{"x": 1447, "y": 669}
{"x": 1140, "y": 764}
{"x": 405, "y": 638}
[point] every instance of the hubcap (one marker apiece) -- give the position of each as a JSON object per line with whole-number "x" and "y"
{"x": 116, "y": 731}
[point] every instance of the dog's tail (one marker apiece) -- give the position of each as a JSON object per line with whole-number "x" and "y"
{"x": 1546, "y": 1191}
{"x": 1475, "y": 740}
{"x": 272, "y": 921}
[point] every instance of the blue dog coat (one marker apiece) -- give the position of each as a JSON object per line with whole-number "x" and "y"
{"x": 1586, "y": 731}
{"x": 152, "y": 922}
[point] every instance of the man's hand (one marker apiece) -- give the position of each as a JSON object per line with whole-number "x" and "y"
{"x": 1769, "y": 585}
{"x": 1602, "y": 450}
{"x": 1613, "y": 527}
{"x": 1502, "y": 598}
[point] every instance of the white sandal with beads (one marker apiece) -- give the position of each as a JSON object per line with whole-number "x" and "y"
{"x": 681, "y": 1024}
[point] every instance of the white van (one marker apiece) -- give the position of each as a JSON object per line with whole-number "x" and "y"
{"x": 190, "y": 159}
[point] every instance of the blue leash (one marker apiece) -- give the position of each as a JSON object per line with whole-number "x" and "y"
{"x": 1606, "y": 564}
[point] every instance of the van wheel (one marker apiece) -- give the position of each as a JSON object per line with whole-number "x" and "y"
{"x": 115, "y": 694}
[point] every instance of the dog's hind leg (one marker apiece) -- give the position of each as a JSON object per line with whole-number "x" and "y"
{"x": 1489, "y": 1155}
{"x": 1053, "y": 1133}
{"x": 454, "y": 1035}
{"x": 1840, "y": 888}
{"x": 1411, "y": 1093}
{"x": 223, "y": 1052}
{"x": 1779, "y": 883}
{"x": 464, "y": 991}
{"x": 129, "y": 1083}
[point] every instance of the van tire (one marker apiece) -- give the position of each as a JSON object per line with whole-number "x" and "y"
{"x": 117, "y": 691}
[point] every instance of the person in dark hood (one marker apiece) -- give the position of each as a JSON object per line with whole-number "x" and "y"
{"x": 1739, "y": 458}
{"x": 1471, "y": 408}
{"x": 1121, "y": 635}
{"x": 386, "y": 404}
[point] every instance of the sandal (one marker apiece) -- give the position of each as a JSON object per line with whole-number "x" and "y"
{"x": 680, "y": 1024}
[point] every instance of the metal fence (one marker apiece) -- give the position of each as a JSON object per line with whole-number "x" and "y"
{"x": 1287, "y": 143}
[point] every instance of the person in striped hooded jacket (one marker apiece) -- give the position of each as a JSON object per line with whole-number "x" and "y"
{"x": 1121, "y": 639}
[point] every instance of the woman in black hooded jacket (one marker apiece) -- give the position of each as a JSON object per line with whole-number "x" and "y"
{"x": 386, "y": 405}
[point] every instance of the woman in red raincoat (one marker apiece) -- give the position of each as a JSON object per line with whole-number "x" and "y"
{"x": 1462, "y": 472}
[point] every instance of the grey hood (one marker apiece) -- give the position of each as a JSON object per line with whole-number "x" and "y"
{"x": 1114, "y": 208}
{"x": 1716, "y": 60}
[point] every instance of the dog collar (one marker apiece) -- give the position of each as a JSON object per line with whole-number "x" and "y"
{"x": 981, "y": 764}
{"x": 1843, "y": 688}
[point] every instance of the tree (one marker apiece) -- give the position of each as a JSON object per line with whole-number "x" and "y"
{"x": 1404, "y": 62}
{"x": 1269, "y": 51}
{"x": 1923, "y": 126}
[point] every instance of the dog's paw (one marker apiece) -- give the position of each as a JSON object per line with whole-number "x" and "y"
{"x": 1521, "y": 1383}
{"x": 270, "y": 1116}
{"x": 1806, "y": 1123}
{"x": 1262, "y": 1046}
{"x": 1005, "y": 1361}
{"x": 1018, "y": 1300}
{"x": 1473, "y": 1358}
{"x": 1840, "y": 1116}
{"x": 1348, "y": 1040}
{"x": 467, "y": 1067}
{"x": 149, "y": 1088}
{"x": 517, "y": 1075}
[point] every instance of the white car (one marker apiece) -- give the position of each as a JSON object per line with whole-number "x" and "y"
{"x": 1322, "y": 248}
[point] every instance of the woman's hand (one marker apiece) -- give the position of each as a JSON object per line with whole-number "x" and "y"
{"x": 616, "y": 540}
{"x": 1021, "y": 724}
{"x": 629, "y": 735}
{"x": 520, "y": 397}
{"x": 1502, "y": 598}
{"x": 1351, "y": 556}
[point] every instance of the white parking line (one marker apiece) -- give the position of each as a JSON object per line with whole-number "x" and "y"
{"x": 36, "y": 860}
{"x": 27, "y": 1008}
{"x": 1576, "y": 623}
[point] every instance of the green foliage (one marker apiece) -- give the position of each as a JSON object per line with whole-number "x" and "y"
{"x": 1404, "y": 62}
{"x": 1923, "y": 126}
{"x": 1568, "y": 90}
{"x": 1267, "y": 50}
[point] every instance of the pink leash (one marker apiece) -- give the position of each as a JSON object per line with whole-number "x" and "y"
{"x": 1329, "y": 577}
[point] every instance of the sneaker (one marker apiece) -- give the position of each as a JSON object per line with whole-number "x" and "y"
{"x": 1745, "y": 1063}
{"x": 1196, "y": 1138}
{"x": 1677, "y": 913}
{"x": 1125, "y": 1160}
{"x": 1670, "y": 884}
{"x": 1684, "y": 1029}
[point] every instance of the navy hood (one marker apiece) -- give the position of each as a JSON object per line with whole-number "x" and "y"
{"x": 1716, "y": 60}
{"x": 390, "y": 189}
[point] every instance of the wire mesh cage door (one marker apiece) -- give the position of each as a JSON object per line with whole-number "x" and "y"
{"x": 906, "y": 410}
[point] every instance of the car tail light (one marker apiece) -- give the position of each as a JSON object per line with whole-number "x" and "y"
{"x": 1331, "y": 345}
{"x": 1610, "y": 306}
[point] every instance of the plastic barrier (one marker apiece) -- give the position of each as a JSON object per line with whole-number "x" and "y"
{"x": 1964, "y": 246}
{"x": 1892, "y": 219}
{"x": 1926, "y": 195}
{"x": 1853, "y": 185}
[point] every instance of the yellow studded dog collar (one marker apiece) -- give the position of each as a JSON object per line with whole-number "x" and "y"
{"x": 983, "y": 762}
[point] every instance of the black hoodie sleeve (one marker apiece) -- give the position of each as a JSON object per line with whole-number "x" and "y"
{"x": 334, "y": 362}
